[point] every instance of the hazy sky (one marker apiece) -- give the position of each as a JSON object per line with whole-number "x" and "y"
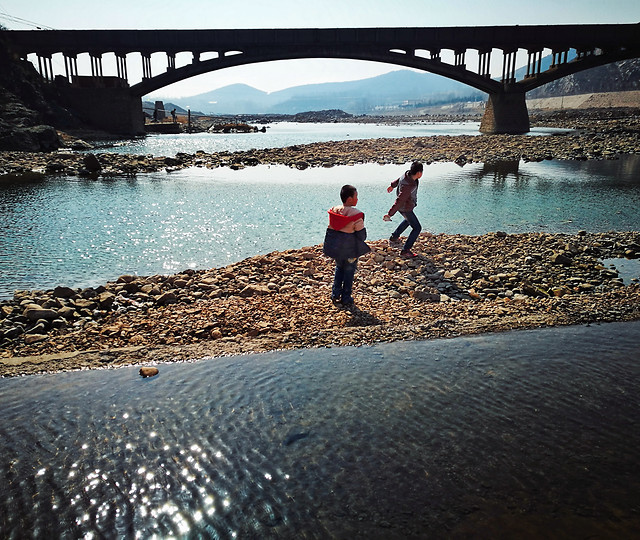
{"x": 210, "y": 14}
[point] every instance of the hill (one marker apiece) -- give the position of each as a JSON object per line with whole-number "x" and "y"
{"x": 389, "y": 91}
{"x": 616, "y": 77}
{"x": 400, "y": 90}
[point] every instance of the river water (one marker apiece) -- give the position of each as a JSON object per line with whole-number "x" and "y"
{"x": 528, "y": 434}
{"x": 80, "y": 232}
{"x": 281, "y": 134}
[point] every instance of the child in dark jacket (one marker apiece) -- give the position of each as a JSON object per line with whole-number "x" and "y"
{"x": 345, "y": 242}
{"x": 407, "y": 189}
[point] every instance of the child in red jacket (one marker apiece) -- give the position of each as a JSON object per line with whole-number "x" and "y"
{"x": 345, "y": 242}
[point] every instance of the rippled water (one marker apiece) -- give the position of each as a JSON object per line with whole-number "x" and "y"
{"x": 80, "y": 232}
{"x": 529, "y": 434}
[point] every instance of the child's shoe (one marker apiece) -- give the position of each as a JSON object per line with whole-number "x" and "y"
{"x": 407, "y": 254}
{"x": 347, "y": 302}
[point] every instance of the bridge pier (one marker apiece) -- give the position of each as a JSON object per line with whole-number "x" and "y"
{"x": 109, "y": 107}
{"x": 506, "y": 113}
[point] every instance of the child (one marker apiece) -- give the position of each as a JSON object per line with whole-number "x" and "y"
{"x": 407, "y": 188}
{"x": 345, "y": 242}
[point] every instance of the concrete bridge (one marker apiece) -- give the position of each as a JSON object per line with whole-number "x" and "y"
{"x": 421, "y": 48}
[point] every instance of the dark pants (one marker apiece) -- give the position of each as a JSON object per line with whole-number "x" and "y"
{"x": 409, "y": 219}
{"x": 343, "y": 281}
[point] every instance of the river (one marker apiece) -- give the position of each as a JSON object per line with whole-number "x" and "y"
{"x": 519, "y": 434}
{"x": 79, "y": 232}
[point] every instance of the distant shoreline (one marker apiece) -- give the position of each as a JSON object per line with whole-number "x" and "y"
{"x": 596, "y": 134}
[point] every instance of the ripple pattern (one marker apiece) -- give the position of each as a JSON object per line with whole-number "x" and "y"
{"x": 524, "y": 434}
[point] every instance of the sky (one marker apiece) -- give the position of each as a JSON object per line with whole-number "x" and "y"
{"x": 273, "y": 76}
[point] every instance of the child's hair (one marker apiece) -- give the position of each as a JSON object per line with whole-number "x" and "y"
{"x": 416, "y": 167}
{"x": 346, "y": 192}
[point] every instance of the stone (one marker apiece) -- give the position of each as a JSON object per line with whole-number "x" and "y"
{"x": 425, "y": 296}
{"x": 254, "y": 290}
{"x": 13, "y": 332}
{"x": 83, "y": 303}
{"x": 67, "y": 312}
{"x": 39, "y": 328}
{"x": 560, "y": 259}
{"x": 106, "y": 300}
{"x": 91, "y": 163}
{"x": 131, "y": 287}
{"x": 151, "y": 289}
{"x": 63, "y": 292}
{"x": 58, "y": 323}
{"x": 147, "y": 371}
{"x": 35, "y": 313}
{"x": 30, "y": 339}
{"x": 453, "y": 274}
{"x": 167, "y": 298}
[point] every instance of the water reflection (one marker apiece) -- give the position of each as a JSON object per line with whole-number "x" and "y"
{"x": 499, "y": 171}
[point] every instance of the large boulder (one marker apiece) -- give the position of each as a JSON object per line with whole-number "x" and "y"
{"x": 39, "y": 138}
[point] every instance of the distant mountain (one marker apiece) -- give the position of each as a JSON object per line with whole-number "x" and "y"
{"x": 391, "y": 90}
{"x": 401, "y": 89}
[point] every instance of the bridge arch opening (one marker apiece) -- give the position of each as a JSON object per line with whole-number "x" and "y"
{"x": 273, "y": 76}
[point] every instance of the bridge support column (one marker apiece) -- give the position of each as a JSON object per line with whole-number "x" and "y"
{"x": 113, "y": 110}
{"x": 506, "y": 113}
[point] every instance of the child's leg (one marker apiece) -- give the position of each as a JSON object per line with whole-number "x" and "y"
{"x": 348, "y": 272}
{"x": 400, "y": 229}
{"x": 412, "y": 220}
{"x": 338, "y": 279}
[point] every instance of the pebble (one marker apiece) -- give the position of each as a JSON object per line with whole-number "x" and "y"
{"x": 146, "y": 371}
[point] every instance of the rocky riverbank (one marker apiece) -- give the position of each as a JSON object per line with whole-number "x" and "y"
{"x": 597, "y": 137}
{"x": 458, "y": 285}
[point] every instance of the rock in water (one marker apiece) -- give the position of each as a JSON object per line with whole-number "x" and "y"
{"x": 146, "y": 371}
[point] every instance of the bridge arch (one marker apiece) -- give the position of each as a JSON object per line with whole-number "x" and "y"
{"x": 171, "y": 76}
